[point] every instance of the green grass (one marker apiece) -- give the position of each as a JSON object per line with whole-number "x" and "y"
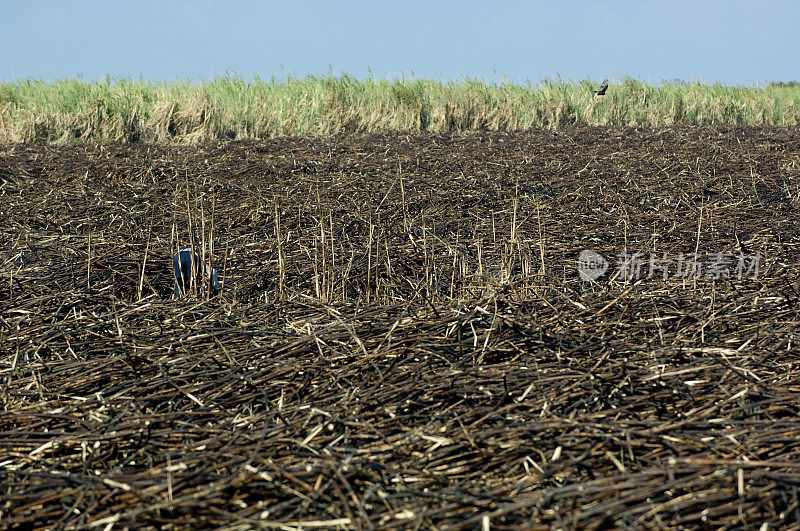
{"x": 118, "y": 110}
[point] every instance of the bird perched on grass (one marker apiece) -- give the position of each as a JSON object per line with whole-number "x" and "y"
{"x": 189, "y": 279}
{"x": 603, "y": 88}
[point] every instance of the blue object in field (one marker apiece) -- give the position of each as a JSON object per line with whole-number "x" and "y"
{"x": 187, "y": 262}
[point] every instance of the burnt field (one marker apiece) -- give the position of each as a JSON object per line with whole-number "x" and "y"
{"x": 403, "y": 339}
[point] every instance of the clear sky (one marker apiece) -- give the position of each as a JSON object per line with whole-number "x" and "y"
{"x": 731, "y": 41}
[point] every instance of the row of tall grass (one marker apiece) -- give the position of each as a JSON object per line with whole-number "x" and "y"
{"x": 128, "y": 110}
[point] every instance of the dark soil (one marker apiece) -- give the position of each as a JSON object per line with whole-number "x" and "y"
{"x": 403, "y": 338}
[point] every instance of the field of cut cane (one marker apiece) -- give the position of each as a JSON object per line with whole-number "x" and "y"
{"x": 403, "y": 339}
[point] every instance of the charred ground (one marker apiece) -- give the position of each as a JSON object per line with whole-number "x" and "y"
{"x": 403, "y": 338}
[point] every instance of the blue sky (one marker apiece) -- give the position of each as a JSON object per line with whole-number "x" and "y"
{"x": 733, "y": 42}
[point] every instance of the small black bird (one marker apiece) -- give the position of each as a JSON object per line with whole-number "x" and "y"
{"x": 603, "y": 88}
{"x": 189, "y": 274}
